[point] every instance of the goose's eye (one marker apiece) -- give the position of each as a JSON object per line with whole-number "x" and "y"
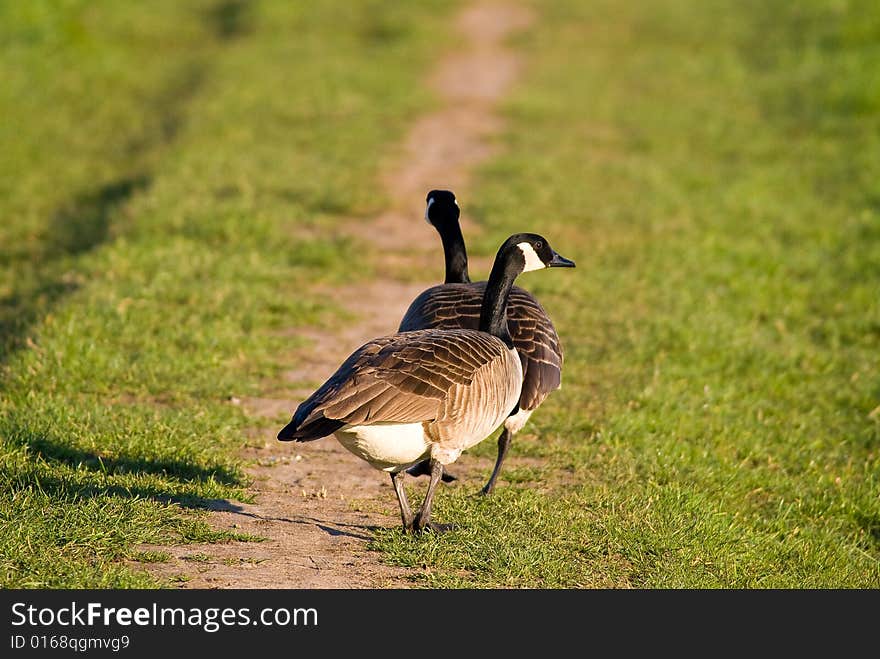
{"x": 539, "y": 245}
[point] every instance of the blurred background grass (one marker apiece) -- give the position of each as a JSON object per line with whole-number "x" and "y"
{"x": 171, "y": 174}
{"x": 713, "y": 169}
{"x": 171, "y": 179}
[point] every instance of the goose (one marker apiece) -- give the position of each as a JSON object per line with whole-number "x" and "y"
{"x": 456, "y": 304}
{"x": 428, "y": 394}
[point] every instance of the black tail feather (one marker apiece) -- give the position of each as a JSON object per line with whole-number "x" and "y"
{"x": 314, "y": 430}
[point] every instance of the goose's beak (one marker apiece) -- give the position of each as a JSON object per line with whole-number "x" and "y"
{"x": 560, "y": 262}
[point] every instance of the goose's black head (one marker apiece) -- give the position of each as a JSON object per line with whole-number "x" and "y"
{"x": 525, "y": 252}
{"x": 520, "y": 253}
{"x": 441, "y": 209}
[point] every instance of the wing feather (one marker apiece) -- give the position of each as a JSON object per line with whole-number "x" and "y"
{"x": 449, "y": 306}
{"x": 402, "y": 378}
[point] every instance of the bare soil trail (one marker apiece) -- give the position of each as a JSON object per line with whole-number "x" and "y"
{"x": 317, "y": 505}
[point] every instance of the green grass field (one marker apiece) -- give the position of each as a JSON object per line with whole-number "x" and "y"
{"x": 164, "y": 217}
{"x": 712, "y": 167}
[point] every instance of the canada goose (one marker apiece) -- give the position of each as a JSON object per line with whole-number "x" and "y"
{"x": 427, "y": 394}
{"x": 456, "y": 303}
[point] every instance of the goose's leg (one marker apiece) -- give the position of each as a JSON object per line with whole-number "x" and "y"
{"x": 503, "y": 445}
{"x": 406, "y": 514}
{"x": 423, "y": 468}
{"x": 423, "y": 517}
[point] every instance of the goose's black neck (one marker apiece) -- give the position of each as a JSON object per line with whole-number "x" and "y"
{"x": 493, "y": 314}
{"x": 455, "y": 254}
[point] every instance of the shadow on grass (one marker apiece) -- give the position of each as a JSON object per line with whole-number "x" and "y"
{"x": 176, "y": 468}
{"x": 83, "y": 223}
{"x": 328, "y": 527}
{"x": 70, "y": 486}
{"x": 69, "y": 472}
{"x": 870, "y": 524}
{"x": 228, "y": 19}
{"x": 75, "y": 229}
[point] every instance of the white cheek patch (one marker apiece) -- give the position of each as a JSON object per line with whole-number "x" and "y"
{"x": 428, "y": 208}
{"x": 533, "y": 261}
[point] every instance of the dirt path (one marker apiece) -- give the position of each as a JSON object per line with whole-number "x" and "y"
{"x": 318, "y": 504}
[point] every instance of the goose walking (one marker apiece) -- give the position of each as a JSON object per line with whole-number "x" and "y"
{"x": 428, "y": 394}
{"x": 456, "y": 304}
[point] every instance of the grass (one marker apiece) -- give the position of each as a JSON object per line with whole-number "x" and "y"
{"x": 162, "y": 216}
{"x": 712, "y": 167}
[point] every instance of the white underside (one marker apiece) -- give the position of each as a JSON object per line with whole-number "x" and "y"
{"x": 515, "y": 422}
{"x": 386, "y": 446}
{"x": 393, "y": 447}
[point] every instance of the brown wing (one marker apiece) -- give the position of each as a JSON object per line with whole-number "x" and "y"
{"x": 402, "y": 378}
{"x": 449, "y": 306}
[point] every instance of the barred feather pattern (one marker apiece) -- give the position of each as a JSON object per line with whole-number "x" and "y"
{"x": 461, "y": 384}
{"x": 448, "y": 306}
